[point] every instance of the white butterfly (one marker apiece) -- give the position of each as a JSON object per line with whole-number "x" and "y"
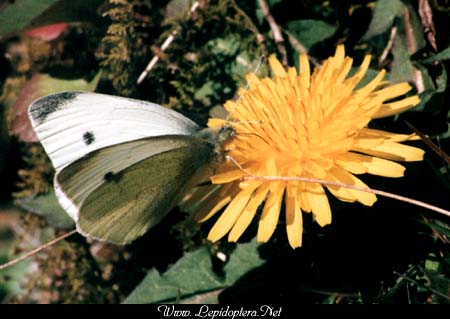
{"x": 121, "y": 164}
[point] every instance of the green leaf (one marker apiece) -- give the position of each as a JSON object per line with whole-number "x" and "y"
{"x": 310, "y": 32}
{"x": 432, "y": 90}
{"x": 383, "y": 17}
{"x": 227, "y": 46}
{"x": 438, "y": 226}
{"x": 402, "y": 70}
{"x": 20, "y": 13}
{"x": 369, "y": 76}
{"x": 193, "y": 275}
{"x": 48, "y": 207}
{"x": 243, "y": 259}
{"x": 431, "y": 265}
{"x": 443, "y": 55}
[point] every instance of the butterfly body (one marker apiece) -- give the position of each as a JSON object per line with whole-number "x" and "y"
{"x": 121, "y": 164}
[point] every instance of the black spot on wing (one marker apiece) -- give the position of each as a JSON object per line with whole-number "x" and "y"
{"x": 112, "y": 177}
{"x": 89, "y": 137}
{"x": 45, "y": 106}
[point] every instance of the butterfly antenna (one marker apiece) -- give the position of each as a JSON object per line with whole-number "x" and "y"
{"x": 230, "y": 158}
{"x": 258, "y": 67}
{"x": 37, "y": 250}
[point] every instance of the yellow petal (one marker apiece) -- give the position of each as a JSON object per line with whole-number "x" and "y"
{"x": 294, "y": 218}
{"x": 382, "y": 167}
{"x": 305, "y": 72}
{"x": 368, "y": 88}
{"x": 342, "y": 176}
{"x": 218, "y": 199}
{"x": 231, "y": 214}
{"x": 304, "y": 199}
{"x": 227, "y": 176}
{"x": 393, "y": 91}
{"x": 358, "y": 164}
{"x": 341, "y": 193}
{"x": 339, "y": 55}
{"x": 252, "y": 81}
{"x": 390, "y": 109}
{"x": 367, "y": 142}
{"x": 351, "y": 162}
{"x": 361, "y": 70}
{"x": 319, "y": 204}
{"x": 270, "y": 214}
{"x": 276, "y": 66}
{"x": 393, "y": 137}
{"x": 344, "y": 71}
{"x": 249, "y": 212}
{"x": 394, "y": 151}
{"x": 216, "y": 123}
{"x": 292, "y": 72}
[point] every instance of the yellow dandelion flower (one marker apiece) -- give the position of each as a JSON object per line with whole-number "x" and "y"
{"x": 311, "y": 125}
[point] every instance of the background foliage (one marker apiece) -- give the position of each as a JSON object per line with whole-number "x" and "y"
{"x": 390, "y": 253}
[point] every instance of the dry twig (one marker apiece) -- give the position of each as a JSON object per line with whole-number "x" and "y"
{"x": 389, "y": 45}
{"x": 276, "y": 31}
{"x": 37, "y": 250}
{"x": 412, "y": 48}
{"x": 164, "y": 46}
{"x": 426, "y": 17}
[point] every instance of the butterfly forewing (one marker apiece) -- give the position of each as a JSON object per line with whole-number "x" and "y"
{"x": 72, "y": 124}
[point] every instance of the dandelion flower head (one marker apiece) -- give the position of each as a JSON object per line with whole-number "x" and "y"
{"x": 310, "y": 125}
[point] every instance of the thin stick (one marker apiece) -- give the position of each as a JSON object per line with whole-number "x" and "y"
{"x": 164, "y": 46}
{"x": 426, "y": 17}
{"x": 429, "y": 143}
{"x": 276, "y": 31}
{"x": 37, "y": 250}
{"x": 412, "y": 48}
{"x": 358, "y": 188}
{"x": 252, "y": 177}
{"x": 389, "y": 45}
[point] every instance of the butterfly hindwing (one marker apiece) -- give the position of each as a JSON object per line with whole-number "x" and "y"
{"x": 121, "y": 191}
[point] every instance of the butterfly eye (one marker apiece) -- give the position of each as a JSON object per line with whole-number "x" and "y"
{"x": 225, "y": 133}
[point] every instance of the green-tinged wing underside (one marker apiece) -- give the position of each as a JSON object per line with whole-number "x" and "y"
{"x": 128, "y": 202}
